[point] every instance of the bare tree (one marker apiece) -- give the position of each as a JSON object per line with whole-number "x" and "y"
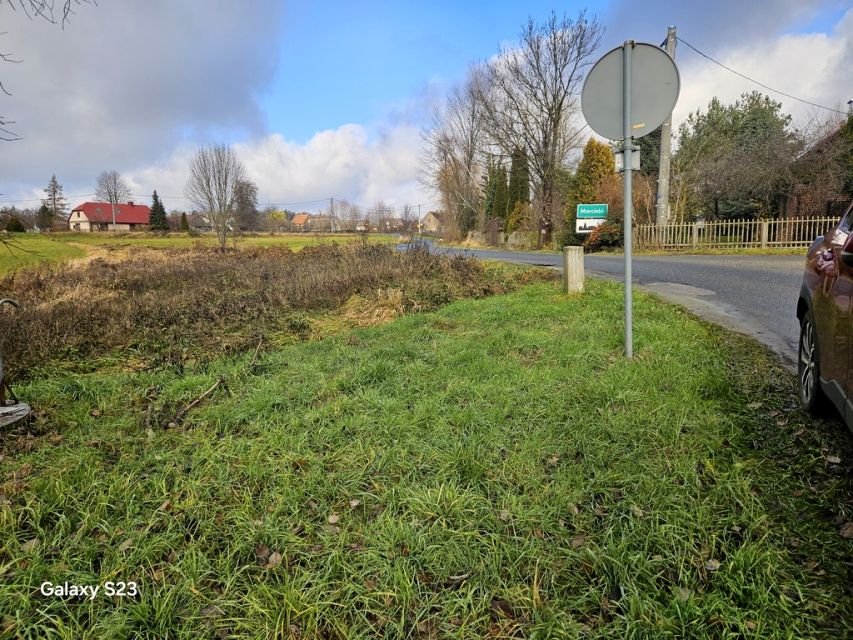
{"x": 532, "y": 95}
{"x": 112, "y": 188}
{"x": 455, "y": 143}
{"x": 408, "y": 217}
{"x": 246, "y": 206}
{"x": 215, "y": 172}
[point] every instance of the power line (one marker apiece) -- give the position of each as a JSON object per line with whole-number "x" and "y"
{"x": 82, "y": 195}
{"x": 760, "y": 84}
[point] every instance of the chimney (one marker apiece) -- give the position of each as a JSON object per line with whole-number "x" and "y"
{"x": 130, "y": 202}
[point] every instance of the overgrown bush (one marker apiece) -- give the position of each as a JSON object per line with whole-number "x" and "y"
{"x": 13, "y": 224}
{"x": 607, "y": 235}
{"x": 164, "y": 305}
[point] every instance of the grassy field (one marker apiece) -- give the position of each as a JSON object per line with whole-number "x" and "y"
{"x": 26, "y": 250}
{"x": 23, "y": 251}
{"x": 491, "y": 469}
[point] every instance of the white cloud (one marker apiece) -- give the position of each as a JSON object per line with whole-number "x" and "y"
{"x": 342, "y": 163}
{"x": 125, "y": 82}
{"x": 811, "y": 66}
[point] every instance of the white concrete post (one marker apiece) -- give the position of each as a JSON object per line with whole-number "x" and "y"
{"x": 573, "y": 275}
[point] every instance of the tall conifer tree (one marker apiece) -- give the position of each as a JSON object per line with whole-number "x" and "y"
{"x": 158, "y": 214}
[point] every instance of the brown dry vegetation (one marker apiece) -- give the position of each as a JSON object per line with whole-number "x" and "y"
{"x": 164, "y": 307}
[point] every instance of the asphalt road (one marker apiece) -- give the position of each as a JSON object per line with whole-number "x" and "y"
{"x": 756, "y": 295}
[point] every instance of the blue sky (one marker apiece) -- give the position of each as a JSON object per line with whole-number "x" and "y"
{"x": 367, "y": 57}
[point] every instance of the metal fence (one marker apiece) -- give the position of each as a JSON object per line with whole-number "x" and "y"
{"x": 792, "y": 233}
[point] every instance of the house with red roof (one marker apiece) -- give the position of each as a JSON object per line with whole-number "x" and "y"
{"x": 300, "y": 222}
{"x": 98, "y": 216}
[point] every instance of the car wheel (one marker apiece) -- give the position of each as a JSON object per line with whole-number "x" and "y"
{"x": 811, "y": 395}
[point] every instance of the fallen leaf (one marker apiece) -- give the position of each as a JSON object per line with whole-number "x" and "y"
{"x": 553, "y": 460}
{"x": 833, "y": 459}
{"x": 846, "y": 530}
{"x": 578, "y": 541}
{"x": 262, "y": 554}
{"x": 683, "y": 593}
{"x": 332, "y": 529}
{"x": 501, "y": 608}
{"x": 504, "y": 515}
{"x": 712, "y": 564}
{"x": 573, "y": 509}
{"x": 637, "y": 511}
{"x": 166, "y": 505}
{"x": 799, "y": 432}
{"x": 750, "y": 625}
{"x": 30, "y": 545}
{"x": 127, "y": 544}
{"x": 354, "y": 503}
{"x": 274, "y": 560}
{"x": 334, "y": 518}
{"x": 157, "y": 575}
{"x": 754, "y": 405}
{"x": 95, "y": 413}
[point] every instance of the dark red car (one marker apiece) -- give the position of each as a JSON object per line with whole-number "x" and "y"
{"x": 825, "y": 310}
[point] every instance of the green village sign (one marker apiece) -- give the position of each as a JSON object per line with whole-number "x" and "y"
{"x": 592, "y": 211}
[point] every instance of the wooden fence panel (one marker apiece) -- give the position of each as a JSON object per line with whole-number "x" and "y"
{"x": 793, "y": 233}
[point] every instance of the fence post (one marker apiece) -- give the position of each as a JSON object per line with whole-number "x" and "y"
{"x": 573, "y": 269}
{"x": 694, "y": 235}
{"x": 765, "y": 233}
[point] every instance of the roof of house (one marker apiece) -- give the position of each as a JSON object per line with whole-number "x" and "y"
{"x": 440, "y": 216}
{"x": 300, "y": 218}
{"x": 126, "y": 213}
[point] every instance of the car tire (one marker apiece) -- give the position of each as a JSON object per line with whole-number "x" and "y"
{"x": 809, "y": 391}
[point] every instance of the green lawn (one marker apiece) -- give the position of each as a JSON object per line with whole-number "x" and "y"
{"x": 495, "y": 468}
{"x": 26, "y": 250}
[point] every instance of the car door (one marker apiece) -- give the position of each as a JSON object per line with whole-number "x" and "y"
{"x": 832, "y": 305}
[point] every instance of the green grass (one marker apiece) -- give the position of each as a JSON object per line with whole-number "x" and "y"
{"x": 27, "y": 250}
{"x": 495, "y": 468}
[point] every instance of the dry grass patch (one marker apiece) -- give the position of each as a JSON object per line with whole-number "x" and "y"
{"x": 165, "y": 307}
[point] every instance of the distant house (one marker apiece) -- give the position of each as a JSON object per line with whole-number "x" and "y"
{"x": 300, "y": 222}
{"x": 98, "y": 216}
{"x": 199, "y": 222}
{"x": 321, "y": 223}
{"x": 436, "y": 222}
{"x": 820, "y": 188}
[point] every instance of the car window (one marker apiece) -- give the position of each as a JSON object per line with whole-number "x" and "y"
{"x": 843, "y": 228}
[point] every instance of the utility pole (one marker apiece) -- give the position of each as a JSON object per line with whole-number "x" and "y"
{"x": 662, "y": 208}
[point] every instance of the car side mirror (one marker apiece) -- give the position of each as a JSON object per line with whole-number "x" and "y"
{"x": 847, "y": 251}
